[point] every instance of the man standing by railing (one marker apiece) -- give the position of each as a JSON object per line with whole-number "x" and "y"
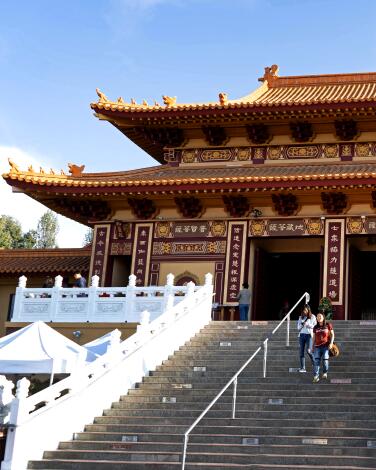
{"x": 79, "y": 281}
{"x": 244, "y": 299}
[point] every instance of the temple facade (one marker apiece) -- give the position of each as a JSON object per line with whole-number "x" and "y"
{"x": 276, "y": 189}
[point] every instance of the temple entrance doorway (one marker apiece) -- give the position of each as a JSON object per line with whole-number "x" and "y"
{"x": 361, "y": 279}
{"x": 120, "y": 268}
{"x": 280, "y": 277}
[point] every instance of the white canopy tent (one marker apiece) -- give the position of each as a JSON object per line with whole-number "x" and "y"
{"x": 39, "y": 349}
{"x": 100, "y": 345}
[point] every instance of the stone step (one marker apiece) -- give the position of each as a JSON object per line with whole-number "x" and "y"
{"x": 351, "y": 407}
{"x": 108, "y": 465}
{"x": 276, "y": 448}
{"x": 253, "y": 401}
{"x": 309, "y": 457}
{"x": 236, "y": 439}
{"x": 265, "y": 428}
{"x": 333, "y": 421}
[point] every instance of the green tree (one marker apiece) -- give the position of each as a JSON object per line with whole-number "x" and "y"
{"x": 29, "y": 239}
{"x": 10, "y": 232}
{"x": 88, "y": 238}
{"x": 47, "y": 230}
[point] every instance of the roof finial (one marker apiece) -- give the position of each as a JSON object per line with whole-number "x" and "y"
{"x": 169, "y": 100}
{"x": 271, "y": 73}
{"x": 223, "y": 98}
{"x": 13, "y": 167}
{"x": 75, "y": 170}
{"x": 102, "y": 97}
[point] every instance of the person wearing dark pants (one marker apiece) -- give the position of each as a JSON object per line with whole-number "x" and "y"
{"x": 244, "y": 299}
{"x": 323, "y": 341}
{"x": 306, "y": 323}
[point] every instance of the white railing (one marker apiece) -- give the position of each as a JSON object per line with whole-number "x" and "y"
{"x": 234, "y": 378}
{"x": 93, "y": 304}
{"x": 41, "y": 421}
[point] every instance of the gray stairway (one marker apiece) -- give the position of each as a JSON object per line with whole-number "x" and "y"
{"x": 283, "y": 422}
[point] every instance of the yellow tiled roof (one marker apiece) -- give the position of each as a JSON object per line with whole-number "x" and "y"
{"x": 275, "y": 91}
{"x": 165, "y": 175}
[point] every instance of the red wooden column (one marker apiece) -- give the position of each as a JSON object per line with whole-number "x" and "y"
{"x": 142, "y": 245}
{"x": 99, "y": 253}
{"x": 334, "y": 265}
{"x": 235, "y": 260}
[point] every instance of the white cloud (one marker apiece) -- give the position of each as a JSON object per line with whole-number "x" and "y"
{"x": 25, "y": 209}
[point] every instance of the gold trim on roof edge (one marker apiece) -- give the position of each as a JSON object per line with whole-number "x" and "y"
{"x": 58, "y": 180}
{"x": 274, "y": 91}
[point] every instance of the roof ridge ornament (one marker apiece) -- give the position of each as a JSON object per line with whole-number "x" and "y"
{"x": 102, "y": 97}
{"x": 270, "y": 74}
{"x": 75, "y": 170}
{"x": 13, "y": 167}
{"x": 169, "y": 100}
{"x": 223, "y": 98}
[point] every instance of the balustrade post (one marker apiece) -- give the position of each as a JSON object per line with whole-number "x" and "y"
{"x": 6, "y": 398}
{"x": 92, "y": 297}
{"x": 288, "y": 332}
{"x": 13, "y": 457}
{"x": 265, "y": 357}
{"x": 234, "y": 392}
{"x": 55, "y": 297}
{"x": 130, "y": 298}
{"x": 169, "y": 297}
{"x": 19, "y": 299}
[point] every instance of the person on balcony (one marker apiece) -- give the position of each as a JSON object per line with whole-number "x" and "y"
{"x": 244, "y": 299}
{"x": 79, "y": 281}
{"x": 306, "y": 323}
{"x": 323, "y": 341}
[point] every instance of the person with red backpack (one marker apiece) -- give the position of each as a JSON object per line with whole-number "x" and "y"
{"x": 323, "y": 335}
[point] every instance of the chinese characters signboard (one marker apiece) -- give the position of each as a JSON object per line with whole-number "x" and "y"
{"x": 334, "y": 260}
{"x": 285, "y": 228}
{"x": 236, "y": 249}
{"x": 188, "y": 230}
{"x": 141, "y": 252}
{"x": 99, "y": 254}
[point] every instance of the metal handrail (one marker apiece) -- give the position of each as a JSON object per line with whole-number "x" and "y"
{"x": 234, "y": 378}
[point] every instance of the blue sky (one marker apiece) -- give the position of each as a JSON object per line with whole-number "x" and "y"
{"x": 53, "y": 54}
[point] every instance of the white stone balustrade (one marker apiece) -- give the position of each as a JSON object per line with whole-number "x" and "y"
{"x": 94, "y": 304}
{"x": 76, "y": 400}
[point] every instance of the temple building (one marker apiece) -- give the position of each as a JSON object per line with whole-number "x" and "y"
{"x": 276, "y": 189}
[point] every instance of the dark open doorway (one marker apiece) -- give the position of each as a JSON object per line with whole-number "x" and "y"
{"x": 281, "y": 277}
{"x": 362, "y": 299}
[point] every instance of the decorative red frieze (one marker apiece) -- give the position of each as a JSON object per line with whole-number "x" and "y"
{"x": 100, "y": 250}
{"x": 190, "y": 207}
{"x": 236, "y": 206}
{"x": 234, "y": 275}
{"x": 293, "y": 227}
{"x": 285, "y": 204}
{"x": 258, "y": 154}
{"x": 356, "y": 225}
{"x": 189, "y": 248}
{"x": 215, "y": 135}
{"x": 334, "y": 263}
{"x": 258, "y": 133}
{"x": 218, "y": 281}
{"x": 154, "y": 274}
{"x": 143, "y": 208}
{"x": 121, "y": 230}
{"x": 346, "y": 129}
{"x": 141, "y": 252}
{"x": 121, "y": 248}
{"x": 301, "y": 131}
{"x": 193, "y": 229}
{"x": 334, "y": 202}
{"x": 163, "y": 136}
